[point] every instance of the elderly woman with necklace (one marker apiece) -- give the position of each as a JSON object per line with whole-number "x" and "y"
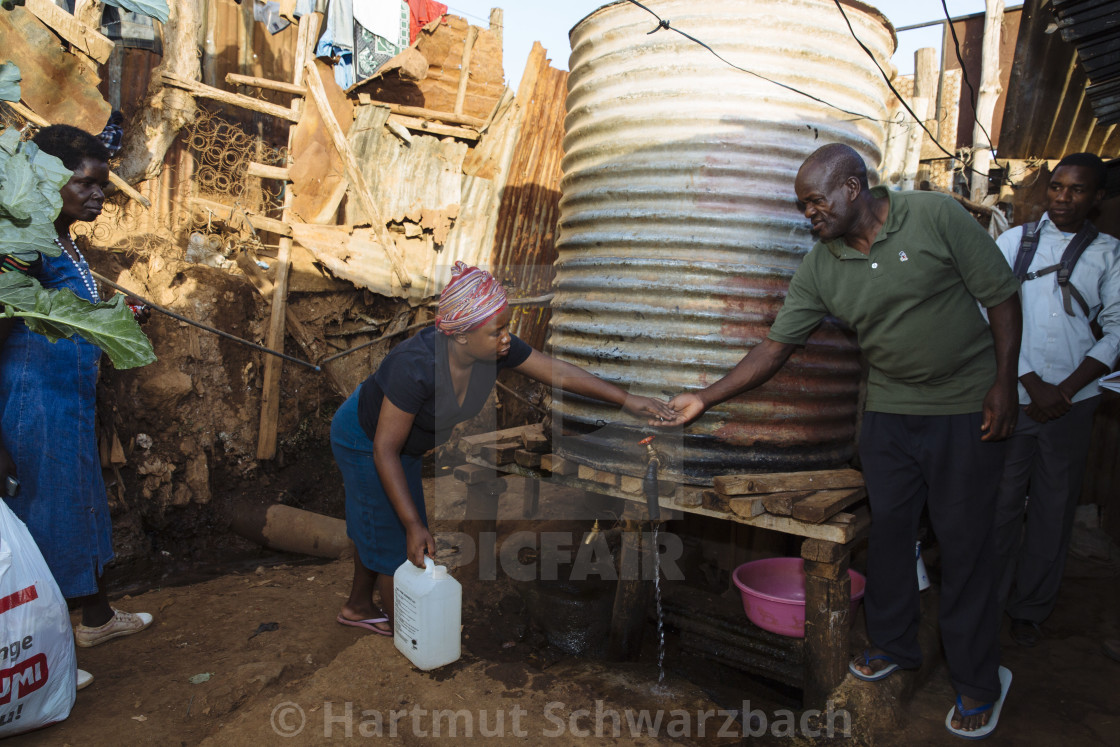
{"x": 424, "y": 388}
{"x": 47, "y": 398}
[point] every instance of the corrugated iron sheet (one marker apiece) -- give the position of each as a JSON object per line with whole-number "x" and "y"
{"x": 525, "y": 245}
{"x": 678, "y": 227}
{"x": 1093, "y": 26}
{"x": 415, "y": 182}
{"x": 1048, "y": 113}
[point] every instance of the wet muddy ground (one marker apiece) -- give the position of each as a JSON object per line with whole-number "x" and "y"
{"x": 312, "y": 681}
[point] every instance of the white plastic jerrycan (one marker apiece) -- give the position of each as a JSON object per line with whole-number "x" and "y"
{"x": 427, "y": 607}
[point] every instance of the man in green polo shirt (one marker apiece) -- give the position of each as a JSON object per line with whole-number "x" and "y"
{"x": 905, "y": 271}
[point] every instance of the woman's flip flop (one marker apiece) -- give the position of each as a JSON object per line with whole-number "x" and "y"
{"x": 370, "y": 624}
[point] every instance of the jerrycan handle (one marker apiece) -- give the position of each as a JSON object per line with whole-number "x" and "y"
{"x": 429, "y": 565}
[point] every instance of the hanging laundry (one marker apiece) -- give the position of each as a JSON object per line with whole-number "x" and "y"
{"x": 337, "y": 41}
{"x": 381, "y": 40}
{"x": 269, "y": 15}
{"x": 421, "y": 13}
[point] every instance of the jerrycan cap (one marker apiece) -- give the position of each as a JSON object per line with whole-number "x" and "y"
{"x": 440, "y": 572}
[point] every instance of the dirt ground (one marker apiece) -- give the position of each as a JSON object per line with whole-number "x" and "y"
{"x": 312, "y": 681}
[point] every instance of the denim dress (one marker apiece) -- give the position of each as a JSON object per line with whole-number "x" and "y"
{"x": 47, "y": 398}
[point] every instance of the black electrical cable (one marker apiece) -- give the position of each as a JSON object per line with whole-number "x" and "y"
{"x": 666, "y": 25}
{"x": 967, "y": 82}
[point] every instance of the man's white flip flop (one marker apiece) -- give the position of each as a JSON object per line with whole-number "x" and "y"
{"x": 988, "y": 728}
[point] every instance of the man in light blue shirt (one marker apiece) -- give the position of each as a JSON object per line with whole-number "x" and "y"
{"x": 1060, "y": 362}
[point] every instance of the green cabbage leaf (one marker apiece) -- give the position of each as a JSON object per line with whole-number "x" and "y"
{"x": 59, "y": 314}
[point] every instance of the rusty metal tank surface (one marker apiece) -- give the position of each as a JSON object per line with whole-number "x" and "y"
{"x": 679, "y": 232}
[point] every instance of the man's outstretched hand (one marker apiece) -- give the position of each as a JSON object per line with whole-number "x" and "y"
{"x": 688, "y": 407}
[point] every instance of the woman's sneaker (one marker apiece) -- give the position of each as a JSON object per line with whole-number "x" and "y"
{"x": 122, "y": 623}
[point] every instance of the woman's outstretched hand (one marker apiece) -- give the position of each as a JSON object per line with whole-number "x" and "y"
{"x": 686, "y": 408}
{"x": 655, "y": 409}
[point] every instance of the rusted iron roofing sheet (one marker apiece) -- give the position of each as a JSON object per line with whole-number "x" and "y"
{"x": 1049, "y": 111}
{"x": 1093, "y": 26}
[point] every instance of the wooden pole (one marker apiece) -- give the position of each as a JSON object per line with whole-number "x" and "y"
{"x": 270, "y": 393}
{"x": 923, "y": 102}
{"x": 827, "y": 611}
{"x": 986, "y": 100}
{"x": 465, "y": 69}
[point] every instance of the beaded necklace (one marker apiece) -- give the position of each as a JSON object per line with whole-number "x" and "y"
{"x": 82, "y": 267}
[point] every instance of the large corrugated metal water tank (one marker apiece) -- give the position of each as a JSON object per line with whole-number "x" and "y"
{"x": 679, "y": 232}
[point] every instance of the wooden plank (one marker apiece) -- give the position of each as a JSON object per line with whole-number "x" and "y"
{"x": 781, "y": 504}
{"x": 840, "y": 533}
{"x": 824, "y": 504}
{"x": 241, "y": 217}
{"x": 473, "y": 474}
{"x": 235, "y": 99}
{"x": 535, "y": 441}
{"x": 843, "y": 518}
{"x": 597, "y": 475}
{"x": 499, "y": 453}
{"x": 748, "y": 506}
{"x": 271, "y": 85}
{"x": 56, "y": 84}
{"x": 820, "y": 551}
{"x": 471, "y": 444}
{"x": 78, "y": 34}
{"x": 557, "y": 466}
{"x": 831, "y": 571}
{"x": 355, "y": 175}
{"x": 525, "y": 458}
{"x": 630, "y": 484}
{"x": 423, "y": 113}
{"x": 780, "y": 481}
{"x": 435, "y": 128}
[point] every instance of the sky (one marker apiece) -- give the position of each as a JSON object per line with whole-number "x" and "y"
{"x": 549, "y": 22}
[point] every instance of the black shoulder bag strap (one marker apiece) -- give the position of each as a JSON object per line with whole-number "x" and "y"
{"x": 1077, "y": 246}
{"x": 1028, "y": 243}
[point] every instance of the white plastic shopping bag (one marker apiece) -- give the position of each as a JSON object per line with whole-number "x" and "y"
{"x": 37, "y": 664}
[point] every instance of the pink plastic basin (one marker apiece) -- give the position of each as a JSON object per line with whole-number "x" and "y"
{"x": 773, "y": 593}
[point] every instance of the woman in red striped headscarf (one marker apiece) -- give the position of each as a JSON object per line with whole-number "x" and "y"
{"x": 424, "y": 388}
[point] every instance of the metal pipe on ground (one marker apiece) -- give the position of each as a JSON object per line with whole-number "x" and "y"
{"x": 289, "y": 529}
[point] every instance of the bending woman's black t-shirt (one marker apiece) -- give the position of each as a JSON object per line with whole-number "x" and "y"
{"x": 416, "y": 378}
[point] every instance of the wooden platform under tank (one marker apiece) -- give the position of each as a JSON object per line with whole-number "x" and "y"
{"x": 826, "y": 508}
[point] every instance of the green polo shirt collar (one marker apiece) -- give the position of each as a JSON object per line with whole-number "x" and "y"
{"x": 897, "y": 211}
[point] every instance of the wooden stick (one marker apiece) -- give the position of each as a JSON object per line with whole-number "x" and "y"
{"x": 241, "y": 217}
{"x": 114, "y": 179}
{"x": 236, "y": 99}
{"x": 270, "y": 391}
{"x": 354, "y": 174}
{"x": 271, "y": 85}
{"x": 465, "y": 69}
{"x": 435, "y": 128}
{"x": 301, "y": 333}
{"x": 330, "y": 208}
{"x": 267, "y": 172}
{"x": 419, "y": 111}
{"x": 81, "y": 36}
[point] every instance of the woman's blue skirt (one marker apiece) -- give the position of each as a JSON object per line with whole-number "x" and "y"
{"x": 371, "y": 521}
